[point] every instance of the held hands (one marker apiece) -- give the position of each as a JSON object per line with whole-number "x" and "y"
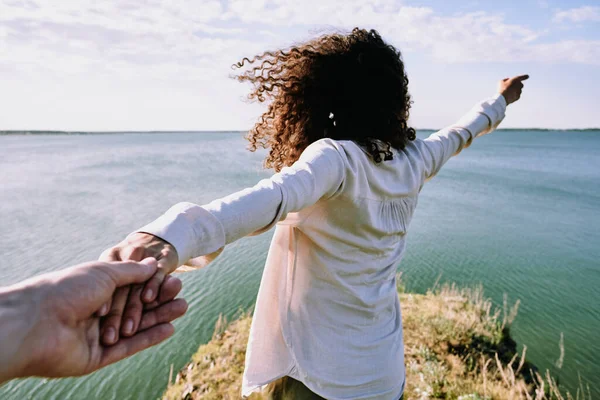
{"x": 123, "y": 314}
{"x": 57, "y": 332}
{"x": 511, "y": 88}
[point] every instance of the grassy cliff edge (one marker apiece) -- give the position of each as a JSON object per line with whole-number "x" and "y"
{"x": 457, "y": 346}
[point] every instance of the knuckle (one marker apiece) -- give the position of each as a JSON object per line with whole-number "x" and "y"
{"x": 109, "y": 254}
{"x": 132, "y": 250}
{"x": 138, "y": 247}
{"x": 130, "y": 253}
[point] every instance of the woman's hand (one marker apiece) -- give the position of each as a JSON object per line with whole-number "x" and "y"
{"x": 124, "y": 312}
{"x": 511, "y": 88}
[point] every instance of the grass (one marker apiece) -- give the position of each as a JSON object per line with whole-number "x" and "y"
{"x": 457, "y": 346}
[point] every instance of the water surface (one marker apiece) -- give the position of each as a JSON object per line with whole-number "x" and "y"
{"x": 519, "y": 211}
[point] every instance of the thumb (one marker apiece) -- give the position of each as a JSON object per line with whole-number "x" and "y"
{"x": 128, "y": 272}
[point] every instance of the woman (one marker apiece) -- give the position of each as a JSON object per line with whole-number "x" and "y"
{"x": 349, "y": 169}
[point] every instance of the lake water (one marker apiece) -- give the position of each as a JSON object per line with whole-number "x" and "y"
{"x": 519, "y": 211}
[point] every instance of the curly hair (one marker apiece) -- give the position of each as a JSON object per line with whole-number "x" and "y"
{"x": 343, "y": 87}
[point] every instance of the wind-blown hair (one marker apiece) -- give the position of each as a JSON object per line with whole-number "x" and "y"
{"x": 343, "y": 87}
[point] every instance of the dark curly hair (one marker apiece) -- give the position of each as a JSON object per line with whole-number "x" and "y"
{"x": 344, "y": 87}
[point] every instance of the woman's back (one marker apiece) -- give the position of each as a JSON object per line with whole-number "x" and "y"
{"x": 349, "y": 171}
{"x": 335, "y": 262}
{"x": 338, "y": 308}
{"x": 327, "y": 312}
{"x": 357, "y": 235}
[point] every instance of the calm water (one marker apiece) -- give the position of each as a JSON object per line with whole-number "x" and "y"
{"x": 519, "y": 212}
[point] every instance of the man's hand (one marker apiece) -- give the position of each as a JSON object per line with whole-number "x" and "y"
{"x": 511, "y": 88}
{"x": 50, "y": 326}
{"x": 123, "y": 313}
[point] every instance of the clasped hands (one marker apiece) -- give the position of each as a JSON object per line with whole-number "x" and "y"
{"x": 123, "y": 315}
{"x": 50, "y": 325}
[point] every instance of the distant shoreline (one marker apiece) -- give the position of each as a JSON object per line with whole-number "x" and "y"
{"x": 40, "y": 132}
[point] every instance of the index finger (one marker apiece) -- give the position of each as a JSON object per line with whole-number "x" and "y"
{"x": 521, "y": 78}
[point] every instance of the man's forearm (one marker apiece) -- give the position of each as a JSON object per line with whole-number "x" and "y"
{"x": 18, "y": 313}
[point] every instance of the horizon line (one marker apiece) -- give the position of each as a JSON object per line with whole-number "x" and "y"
{"x": 72, "y": 132}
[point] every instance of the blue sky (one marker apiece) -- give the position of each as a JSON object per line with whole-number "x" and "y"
{"x": 164, "y": 64}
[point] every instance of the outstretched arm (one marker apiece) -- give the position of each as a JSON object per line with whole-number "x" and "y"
{"x": 481, "y": 119}
{"x": 188, "y": 231}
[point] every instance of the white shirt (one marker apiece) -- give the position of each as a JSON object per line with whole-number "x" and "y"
{"x": 327, "y": 311}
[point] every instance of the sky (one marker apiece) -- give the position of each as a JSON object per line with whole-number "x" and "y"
{"x": 166, "y": 64}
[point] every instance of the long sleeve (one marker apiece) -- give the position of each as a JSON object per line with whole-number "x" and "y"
{"x": 480, "y": 120}
{"x": 197, "y": 231}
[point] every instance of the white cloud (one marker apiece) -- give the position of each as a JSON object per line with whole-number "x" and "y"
{"x": 460, "y": 38}
{"x": 581, "y": 14}
{"x": 207, "y": 36}
{"x": 339, "y": 13}
{"x": 575, "y": 51}
{"x": 470, "y": 37}
{"x": 138, "y": 39}
{"x": 137, "y": 49}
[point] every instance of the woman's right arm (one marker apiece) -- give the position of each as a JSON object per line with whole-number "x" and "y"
{"x": 190, "y": 231}
{"x": 196, "y": 231}
{"x": 437, "y": 149}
